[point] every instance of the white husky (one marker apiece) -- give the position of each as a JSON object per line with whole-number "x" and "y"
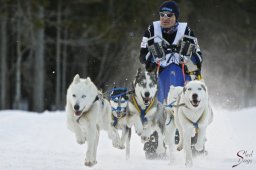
{"x": 87, "y": 113}
{"x": 192, "y": 115}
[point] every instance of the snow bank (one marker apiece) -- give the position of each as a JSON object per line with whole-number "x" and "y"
{"x": 30, "y": 141}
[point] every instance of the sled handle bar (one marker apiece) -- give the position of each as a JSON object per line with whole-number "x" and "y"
{"x": 166, "y": 42}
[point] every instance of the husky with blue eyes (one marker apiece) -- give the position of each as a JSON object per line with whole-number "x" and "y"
{"x": 192, "y": 115}
{"x": 119, "y": 102}
{"x": 147, "y": 113}
{"x": 87, "y": 113}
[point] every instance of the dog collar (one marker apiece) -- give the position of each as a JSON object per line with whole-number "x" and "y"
{"x": 85, "y": 112}
{"x": 115, "y": 119}
{"x": 142, "y": 112}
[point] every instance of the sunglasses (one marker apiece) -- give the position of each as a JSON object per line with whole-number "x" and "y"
{"x": 168, "y": 15}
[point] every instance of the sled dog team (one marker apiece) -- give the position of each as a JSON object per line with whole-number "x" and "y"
{"x": 187, "y": 109}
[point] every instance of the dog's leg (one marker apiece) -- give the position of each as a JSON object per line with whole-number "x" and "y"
{"x": 160, "y": 148}
{"x": 199, "y": 146}
{"x": 137, "y": 124}
{"x": 202, "y": 124}
{"x": 179, "y": 127}
{"x": 127, "y": 141}
{"x": 74, "y": 127}
{"x": 123, "y": 137}
{"x": 170, "y": 139}
{"x": 187, "y": 144}
{"x": 96, "y": 146}
{"x": 146, "y": 133}
{"x": 89, "y": 160}
{"x": 114, "y": 136}
{"x": 70, "y": 121}
{"x": 187, "y": 132}
{"x": 80, "y": 135}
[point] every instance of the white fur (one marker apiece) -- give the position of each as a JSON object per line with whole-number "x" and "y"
{"x": 184, "y": 115}
{"x": 86, "y": 116}
{"x": 170, "y": 126}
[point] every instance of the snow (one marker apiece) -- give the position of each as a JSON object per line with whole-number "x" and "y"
{"x": 30, "y": 141}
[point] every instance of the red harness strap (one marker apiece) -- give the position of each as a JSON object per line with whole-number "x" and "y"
{"x": 183, "y": 72}
{"x": 158, "y": 68}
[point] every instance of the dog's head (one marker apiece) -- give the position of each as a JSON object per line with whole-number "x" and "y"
{"x": 145, "y": 86}
{"x": 119, "y": 101}
{"x": 195, "y": 93}
{"x": 81, "y": 94}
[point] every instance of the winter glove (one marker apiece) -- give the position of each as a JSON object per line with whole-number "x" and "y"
{"x": 196, "y": 58}
{"x": 197, "y": 74}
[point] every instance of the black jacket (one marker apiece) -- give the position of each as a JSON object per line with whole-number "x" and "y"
{"x": 196, "y": 59}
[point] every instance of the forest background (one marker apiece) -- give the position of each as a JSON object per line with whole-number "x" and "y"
{"x": 44, "y": 43}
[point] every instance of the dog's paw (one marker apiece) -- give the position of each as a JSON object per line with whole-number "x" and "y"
{"x": 118, "y": 144}
{"x": 179, "y": 147}
{"x": 144, "y": 139}
{"x": 115, "y": 144}
{"x": 139, "y": 132}
{"x": 121, "y": 146}
{"x": 80, "y": 140}
{"x": 172, "y": 160}
{"x": 199, "y": 147}
{"x": 90, "y": 163}
{"x": 189, "y": 163}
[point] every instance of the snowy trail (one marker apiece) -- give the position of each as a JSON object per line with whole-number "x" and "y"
{"x": 31, "y": 141}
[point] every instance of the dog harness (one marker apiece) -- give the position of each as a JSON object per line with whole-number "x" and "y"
{"x": 171, "y": 105}
{"x": 96, "y": 98}
{"x": 171, "y": 118}
{"x": 117, "y": 94}
{"x": 142, "y": 112}
{"x": 121, "y": 111}
{"x": 115, "y": 119}
{"x": 195, "y": 124}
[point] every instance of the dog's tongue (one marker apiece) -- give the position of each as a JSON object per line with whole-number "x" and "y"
{"x": 78, "y": 113}
{"x": 195, "y": 103}
{"x": 146, "y": 100}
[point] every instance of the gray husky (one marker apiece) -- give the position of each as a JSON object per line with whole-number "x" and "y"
{"x": 147, "y": 113}
{"x": 119, "y": 103}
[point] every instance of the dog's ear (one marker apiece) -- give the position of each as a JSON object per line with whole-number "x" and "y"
{"x": 76, "y": 78}
{"x": 133, "y": 84}
{"x": 153, "y": 75}
{"x": 203, "y": 86}
{"x": 138, "y": 72}
{"x": 88, "y": 80}
{"x": 172, "y": 87}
